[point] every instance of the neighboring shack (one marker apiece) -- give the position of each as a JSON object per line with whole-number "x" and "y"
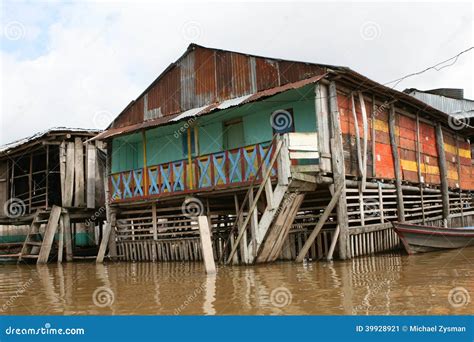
{"x": 54, "y": 168}
{"x": 286, "y": 159}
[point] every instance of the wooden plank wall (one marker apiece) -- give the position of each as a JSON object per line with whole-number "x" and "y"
{"x": 81, "y": 175}
{"x": 458, "y": 154}
{"x": 4, "y": 178}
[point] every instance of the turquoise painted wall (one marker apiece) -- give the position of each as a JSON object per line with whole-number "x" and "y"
{"x": 165, "y": 143}
{"x": 127, "y": 152}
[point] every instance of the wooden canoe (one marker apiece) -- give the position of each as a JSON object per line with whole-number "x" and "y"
{"x": 418, "y": 239}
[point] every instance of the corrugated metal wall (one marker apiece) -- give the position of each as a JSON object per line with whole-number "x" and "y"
{"x": 205, "y": 76}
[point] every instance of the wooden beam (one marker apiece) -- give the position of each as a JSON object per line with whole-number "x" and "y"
{"x": 374, "y": 110}
{"x": 322, "y": 220}
{"x": 91, "y": 175}
{"x": 61, "y": 240}
{"x": 62, "y": 170}
{"x": 67, "y": 236}
{"x": 396, "y": 165}
{"x": 338, "y": 170}
{"x": 69, "y": 179}
{"x": 206, "y": 244}
{"x": 49, "y": 232}
{"x": 418, "y": 165}
{"x": 78, "y": 173}
{"x": 443, "y": 173}
{"x": 333, "y": 243}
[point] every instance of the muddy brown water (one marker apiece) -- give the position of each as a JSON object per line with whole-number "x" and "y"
{"x": 431, "y": 283}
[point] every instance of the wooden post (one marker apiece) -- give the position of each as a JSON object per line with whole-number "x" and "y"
{"x": 458, "y": 162}
{"x": 91, "y": 175}
{"x": 374, "y": 110}
{"x": 69, "y": 178}
{"x": 61, "y": 240}
{"x": 78, "y": 173}
{"x": 47, "y": 176}
{"x": 62, "y": 170}
{"x": 30, "y": 184}
{"x": 206, "y": 244}
{"x": 338, "y": 171}
{"x": 322, "y": 220}
{"x": 333, "y": 243}
{"x": 443, "y": 173}
{"x": 418, "y": 166}
{"x": 145, "y": 167}
{"x": 67, "y": 236}
{"x": 155, "y": 230}
{"x": 396, "y": 165}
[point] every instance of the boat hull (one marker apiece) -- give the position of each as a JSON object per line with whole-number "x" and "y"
{"x": 420, "y": 239}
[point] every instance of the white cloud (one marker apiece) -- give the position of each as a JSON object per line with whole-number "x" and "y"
{"x": 100, "y": 56}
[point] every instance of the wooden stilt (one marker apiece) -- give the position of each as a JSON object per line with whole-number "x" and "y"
{"x": 338, "y": 170}
{"x": 396, "y": 165}
{"x": 443, "y": 172}
{"x": 206, "y": 244}
{"x": 322, "y": 220}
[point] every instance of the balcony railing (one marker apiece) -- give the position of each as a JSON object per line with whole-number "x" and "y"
{"x": 236, "y": 167}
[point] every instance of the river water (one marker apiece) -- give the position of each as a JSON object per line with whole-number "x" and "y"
{"x": 431, "y": 283}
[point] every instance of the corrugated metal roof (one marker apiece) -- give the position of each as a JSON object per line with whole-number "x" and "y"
{"x": 195, "y": 112}
{"x": 451, "y": 106}
{"x": 4, "y": 149}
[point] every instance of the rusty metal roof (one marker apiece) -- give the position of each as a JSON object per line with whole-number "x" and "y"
{"x": 13, "y": 146}
{"x": 195, "y": 112}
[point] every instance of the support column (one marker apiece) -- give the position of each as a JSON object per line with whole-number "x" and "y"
{"x": 396, "y": 165}
{"x": 338, "y": 170}
{"x": 443, "y": 173}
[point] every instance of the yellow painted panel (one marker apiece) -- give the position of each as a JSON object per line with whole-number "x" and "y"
{"x": 462, "y": 151}
{"x": 382, "y": 126}
{"x": 410, "y": 165}
{"x": 452, "y": 174}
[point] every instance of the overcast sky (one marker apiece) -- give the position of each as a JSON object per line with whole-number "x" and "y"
{"x": 78, "y": 64}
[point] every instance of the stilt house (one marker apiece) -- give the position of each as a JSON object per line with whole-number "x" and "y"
{"x": 51, "y": 195}
{"x": 288, "y": 160}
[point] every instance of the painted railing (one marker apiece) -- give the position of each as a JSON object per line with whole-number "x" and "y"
{"x": 234, "y": 167}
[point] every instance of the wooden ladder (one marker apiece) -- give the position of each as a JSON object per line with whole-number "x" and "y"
{"x": 36, "y": 245}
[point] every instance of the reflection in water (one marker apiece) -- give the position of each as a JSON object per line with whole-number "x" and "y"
{"x": 385, "y": 284}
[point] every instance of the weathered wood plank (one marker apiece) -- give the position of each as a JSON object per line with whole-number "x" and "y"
{"x": 339, "y": 173}
{"x": 322, "y": 220}
{"x": 443, "y": 172}
{"x": 78, "y": 173}
{"x": 69, "y": 179}
{"x": 91, "y": 175}
{"x": 396, "y": 164}
{"x": 206, "y": 244}
{"x": 48, "y": 237}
